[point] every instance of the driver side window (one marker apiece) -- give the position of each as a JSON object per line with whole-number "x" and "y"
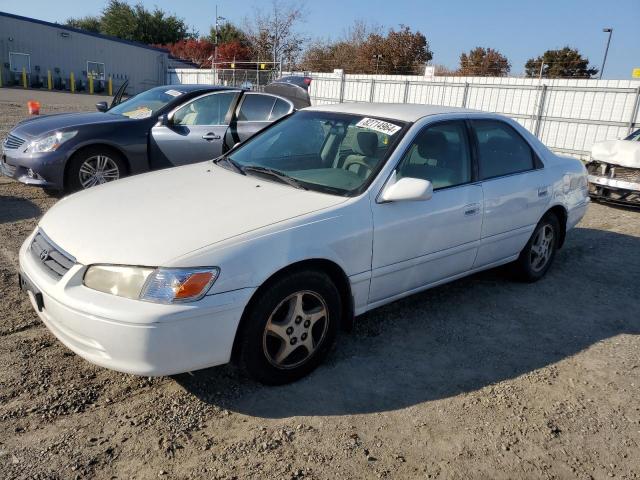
{"x": 440, "y": 154}
{"x": 208, "y": 110}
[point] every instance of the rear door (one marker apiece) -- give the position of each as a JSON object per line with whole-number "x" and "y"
{"x": 194, "y": 131}
{"x": 256, "y": 111}
{"x": 514, "y": 188}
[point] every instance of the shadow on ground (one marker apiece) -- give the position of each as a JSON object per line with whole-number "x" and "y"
{"x": 13, "y": 209}
{"x": 456, "y": 338}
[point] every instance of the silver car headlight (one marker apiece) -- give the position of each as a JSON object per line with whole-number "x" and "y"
{"x": 159, "y": 285}
{"x": 50, "y": 143}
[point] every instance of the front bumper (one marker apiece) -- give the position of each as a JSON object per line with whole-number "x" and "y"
{"x": 133, "y": 336}
{"x": 42, "y": 170}
{"x": 614, "y": 190}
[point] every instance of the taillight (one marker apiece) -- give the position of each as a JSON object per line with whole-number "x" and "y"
{"x": 307, "y": 80}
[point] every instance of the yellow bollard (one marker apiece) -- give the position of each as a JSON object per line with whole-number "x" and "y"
{"x": 110, "y": 87}
{"x": 24, "y": 77}
{"x": 90, "y": 84}
{"x": 72, "y": 80}
{"x": 49, "y": 82}
{"x": 0, "y": 77}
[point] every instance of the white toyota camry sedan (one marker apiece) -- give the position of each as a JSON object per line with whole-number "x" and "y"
{"x": 263, "y": 254}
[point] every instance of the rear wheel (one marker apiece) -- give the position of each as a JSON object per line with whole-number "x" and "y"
{"x": 538, "y": 255}
{"x": 94, "y": 166}
{"x": 290, "y": 327}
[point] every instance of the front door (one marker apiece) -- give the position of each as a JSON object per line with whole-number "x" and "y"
{"x": 194, "y": 132}
{"x": 417, "y": 243}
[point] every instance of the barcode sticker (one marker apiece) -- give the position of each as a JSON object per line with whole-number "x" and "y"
{"x": 378, "y": 125}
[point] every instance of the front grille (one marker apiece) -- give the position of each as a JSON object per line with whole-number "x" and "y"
{"x": 52, "y": 258}
{"x": 602, "y": 169}
{"x": 12, "y": 142}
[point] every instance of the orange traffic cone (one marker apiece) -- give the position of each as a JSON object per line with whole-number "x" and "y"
{"x": 33, "y": 107}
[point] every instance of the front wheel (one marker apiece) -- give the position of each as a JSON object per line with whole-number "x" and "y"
{"x": 537, "y": 256}
{"x": 289, "y": 329}
{"x": 94, "y": 166}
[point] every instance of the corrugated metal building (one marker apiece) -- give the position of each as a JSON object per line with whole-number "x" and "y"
{"x": 40, "y": 47}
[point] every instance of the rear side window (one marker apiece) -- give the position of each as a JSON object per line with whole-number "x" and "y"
{"x": 501, "y": 150}
{"x": 280, "y": 109}
{"x": 256, "y": 108}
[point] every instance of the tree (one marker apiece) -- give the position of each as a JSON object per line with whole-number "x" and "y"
{"x": 484, "y": 62}
{"x": 233, "y": 52}
{"x": 135, "y": 23}
{"x": 229, "y": 33}
{"x": 89, "y": 23}
{"x": 193, "y": 50}
{"x": 365, "y": 49}
{"x": 273, "y": 35}
{"x": 564, "y": 63}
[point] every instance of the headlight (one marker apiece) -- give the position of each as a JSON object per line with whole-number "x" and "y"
{"x": 159, "y": 285}
{"x": 50, "y": 143}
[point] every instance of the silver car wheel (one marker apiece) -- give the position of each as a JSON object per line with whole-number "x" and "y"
{"x": 97, "y": 170}
{"x": 295, "y": 329}
{"x": 541, "y": 248}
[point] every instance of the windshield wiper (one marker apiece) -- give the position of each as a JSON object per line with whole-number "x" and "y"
{"x": 230, "y": 161}
{"x": 283, "y": 177}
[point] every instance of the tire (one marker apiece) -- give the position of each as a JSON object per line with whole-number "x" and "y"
{"x": 275, "y": 333}
{"x": 78, "y": 174}
{"x": 530, "y": 266}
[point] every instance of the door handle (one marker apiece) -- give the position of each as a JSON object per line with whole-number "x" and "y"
{"x": 211, "y": 136}
{"x": 471, "y": 209}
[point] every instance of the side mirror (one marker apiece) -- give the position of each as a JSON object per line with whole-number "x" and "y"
{"x": 164, "y": 121}
{"x": 407, "y": 189}
{"x": 102, "y": 106}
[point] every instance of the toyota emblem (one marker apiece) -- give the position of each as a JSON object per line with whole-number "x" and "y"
{"x": 44, "y": 254}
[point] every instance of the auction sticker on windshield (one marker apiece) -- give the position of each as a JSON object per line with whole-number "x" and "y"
{"x": 173, "y": 93}
{"x": 378, "y": 125}
{"x": 139, "y": 113}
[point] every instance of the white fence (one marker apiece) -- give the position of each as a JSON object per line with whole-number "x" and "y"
{"x": 567, "y": 115}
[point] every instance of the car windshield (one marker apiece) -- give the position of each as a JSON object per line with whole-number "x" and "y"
{"x": 146, "y": 103}
{"x": 325, "y": 151}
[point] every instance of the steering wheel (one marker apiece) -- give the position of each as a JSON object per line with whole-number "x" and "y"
{"x": 357, "y": 161}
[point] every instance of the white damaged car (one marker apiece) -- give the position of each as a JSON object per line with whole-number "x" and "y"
{"x": 614, "y": 170}
{"x": 262, "y": 255}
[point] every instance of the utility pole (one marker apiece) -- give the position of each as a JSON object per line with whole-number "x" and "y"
{"x": 377, "y": 56}
{"x": 541, "y": 66}
{"x": 214, "y": 64}
{"x": 606, "y": 50}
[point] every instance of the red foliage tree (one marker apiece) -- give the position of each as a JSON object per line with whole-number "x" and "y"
{"x": 232, "y": 51}
{"x": 196, "y": 51}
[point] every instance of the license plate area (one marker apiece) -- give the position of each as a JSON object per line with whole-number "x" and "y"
{"x": 27, "y": 286}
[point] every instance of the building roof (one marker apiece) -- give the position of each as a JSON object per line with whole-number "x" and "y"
{"x": 409, "y": 112}
{"x": 83, "y": 32}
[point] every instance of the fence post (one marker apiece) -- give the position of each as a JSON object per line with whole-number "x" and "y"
{"x": 406, "y": 91}
{"x": 342, "y": 87}
{"x": 634, "y": 110}
{"x": 543, "y": 94}
{"x": 373, "y": 90}
{"x": 465, "y": 94}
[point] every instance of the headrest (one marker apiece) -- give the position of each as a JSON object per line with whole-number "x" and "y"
{"x": 432, "y": 144}
{"x": 366, "y": 144}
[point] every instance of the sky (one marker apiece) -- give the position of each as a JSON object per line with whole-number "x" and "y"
{"x": 518, "y": 29}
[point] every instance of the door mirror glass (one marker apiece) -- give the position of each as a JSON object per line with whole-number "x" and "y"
{"x": 102, "y": 106}
{"x": 164, "y": 121}
{"x": 407, "y": 189}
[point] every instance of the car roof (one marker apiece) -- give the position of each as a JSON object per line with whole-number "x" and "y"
{"x": 184, "y": 88}
{"x": 408, "y": 112}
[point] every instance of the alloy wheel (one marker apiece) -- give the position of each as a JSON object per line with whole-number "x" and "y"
{"x": 98, "y": 169}
{"x": 541, "y": 248}
{"x": 295, "y": 329}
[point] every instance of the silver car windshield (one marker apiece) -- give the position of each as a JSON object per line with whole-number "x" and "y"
{"x": 326, "y": 151}
{"x": 145, "y": 104}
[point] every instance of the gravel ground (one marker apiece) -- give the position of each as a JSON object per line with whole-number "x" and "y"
{"x": 483, "y": 378}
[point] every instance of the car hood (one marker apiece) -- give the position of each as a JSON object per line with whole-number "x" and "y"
{"x": 625, "y": 153}
{"x": 39, "y": 125}
{"x": 153, "y": 218}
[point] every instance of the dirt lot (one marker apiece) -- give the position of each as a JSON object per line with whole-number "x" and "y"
{"x": 482, "y": 378}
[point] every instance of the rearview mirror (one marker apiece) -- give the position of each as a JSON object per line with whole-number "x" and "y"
{"x": 102, "y": 106}
{"x": 407, "y": 189}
